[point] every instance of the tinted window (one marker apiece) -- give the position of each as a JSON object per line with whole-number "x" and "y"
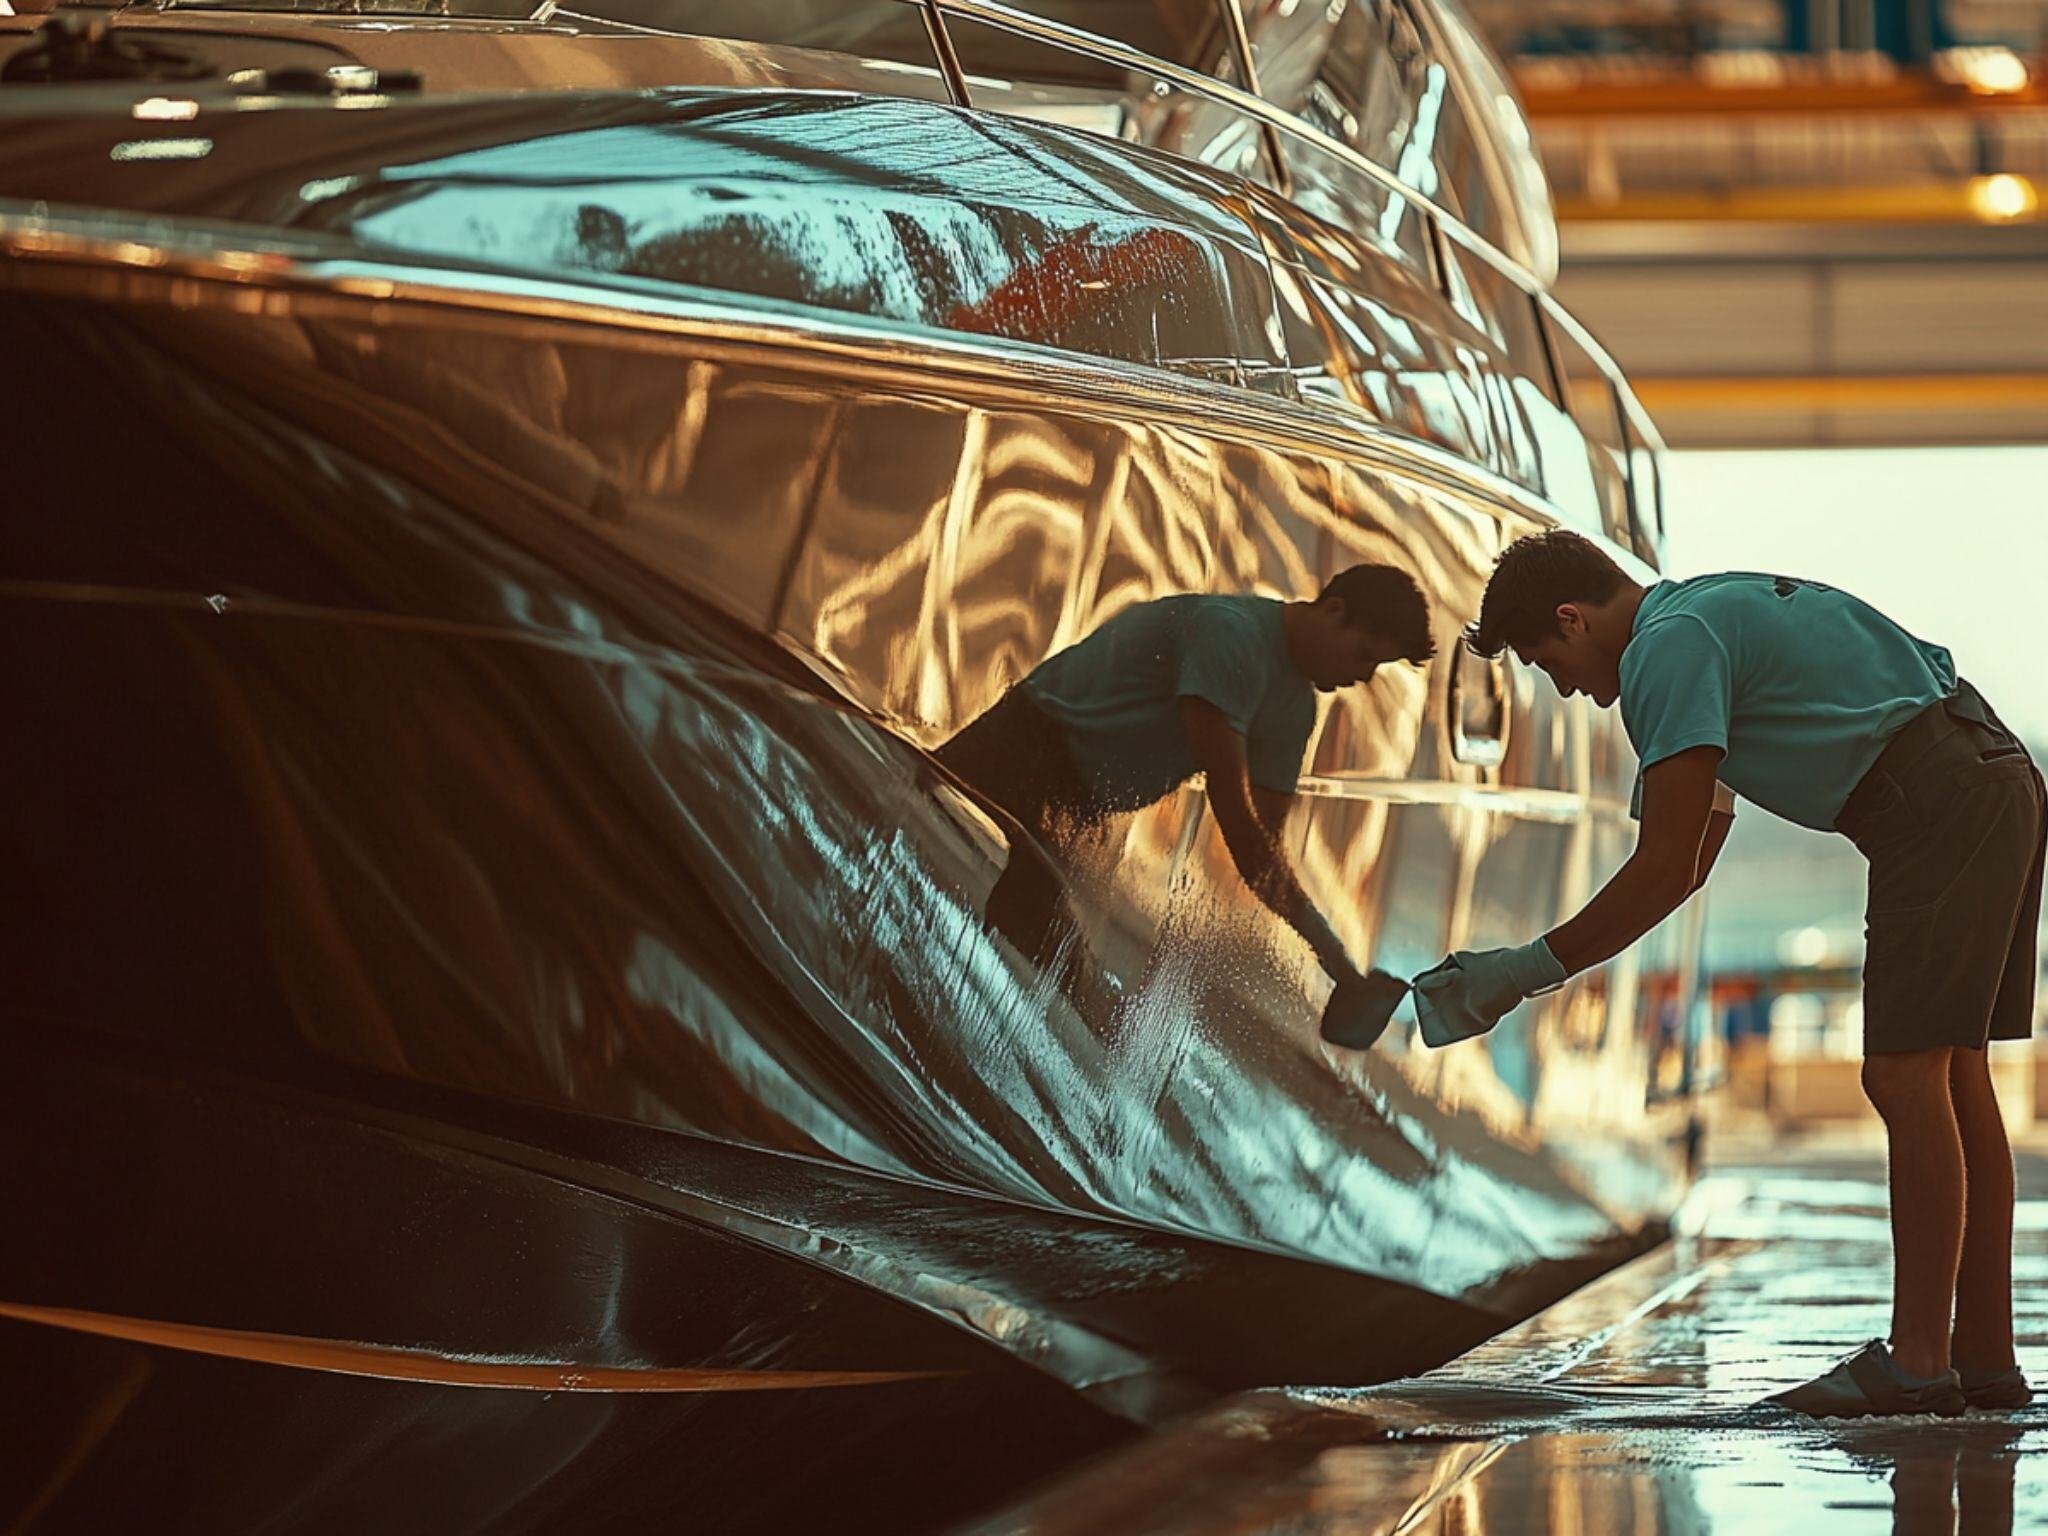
{"x": 1591, "y": 399}
{"x": 1499, "y": 307}
{"x": 872, "y": 206}
{"x": 1368, "y": 212}
{"x": 880, "y": 29}
{"x": 1377, "y": 90}
{"x": 1509, "y": 363}
{"x": 1027, "y": 77}
{"x": 1189, "y": 33}
{"x": 1463, "y": 182}
{"x": 1646, "y": 482}
{"x": 1362, "y": 72}
{"x": 1528, "y": 224}
{"x": 1361, "y": 336}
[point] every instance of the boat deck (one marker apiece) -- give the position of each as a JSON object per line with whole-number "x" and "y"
{"x": 1631, "y": 1406}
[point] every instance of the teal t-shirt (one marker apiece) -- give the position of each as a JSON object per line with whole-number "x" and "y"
{"x": 1799, "y": 684}
{"x": 1118, "y": 693}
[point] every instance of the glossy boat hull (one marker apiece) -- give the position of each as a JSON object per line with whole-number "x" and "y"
{"x": 487, "y": 898}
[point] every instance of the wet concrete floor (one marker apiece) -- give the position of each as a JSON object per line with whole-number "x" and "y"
{"x": 1631, "y": 1406}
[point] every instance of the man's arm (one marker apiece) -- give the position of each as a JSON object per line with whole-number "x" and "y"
{"x": 1272, "y": 807}
{"x": 1219, "y": 752}
{"x": 1672, "y": 857}
{"x": 1719, "y": 825}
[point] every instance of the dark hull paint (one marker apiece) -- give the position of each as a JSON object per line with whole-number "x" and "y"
{"x": 183, "y": 1195}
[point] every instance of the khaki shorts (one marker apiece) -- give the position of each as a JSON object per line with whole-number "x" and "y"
{"x": 1951, "y": 818}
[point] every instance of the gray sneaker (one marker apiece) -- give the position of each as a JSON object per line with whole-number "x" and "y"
{"x": 1996, "y": 1389}
{"x": 1869, "y": 1384}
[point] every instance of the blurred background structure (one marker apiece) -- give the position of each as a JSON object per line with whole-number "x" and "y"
{"x": 1802, "y": 223}
{"x": 1812, "y": 231}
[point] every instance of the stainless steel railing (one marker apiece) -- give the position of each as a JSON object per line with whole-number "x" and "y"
{"x": 1291, "y": 148}
{"x": 1277, "y": 128}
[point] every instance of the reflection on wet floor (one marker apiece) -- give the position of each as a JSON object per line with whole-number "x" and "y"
{"x": 1632, "y": 1406}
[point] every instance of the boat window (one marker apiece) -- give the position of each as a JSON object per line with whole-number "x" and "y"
{"x": 1343, "y": 197}
{"x": 1531, "y": 428}
{"x": 1499, "y": 308}
{"x": 873, "y": 29}
{"x": 1648, "y": 499}
{"x": 1189, "y": 33}
{"x": 1464, "y": 179}
{"x": 1361, "y": 72}
{"x": 1529, "y": 217}
{"x": 1589, "y": 394}
{"x": 1373, "y": 87}
{"x": 1359, "y": 337}
{"x": 868, "y": 206}
{"x": 1029, "y": 77}
{"x": 477, "y": 10}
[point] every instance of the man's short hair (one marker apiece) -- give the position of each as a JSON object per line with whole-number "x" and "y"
{"x": 1533, "y": 577}
{"x": 1386, "y": 602}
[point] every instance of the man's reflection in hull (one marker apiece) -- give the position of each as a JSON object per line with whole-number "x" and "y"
{"x": 1223, "y": 686}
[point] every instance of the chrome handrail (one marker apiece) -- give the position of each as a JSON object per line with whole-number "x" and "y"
{"x": 943, "y": 52}
{"x": 1274, "y": 120}
{"x": 1109, "y": 51}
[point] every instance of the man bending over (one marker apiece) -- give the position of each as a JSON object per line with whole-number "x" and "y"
{"x": 1220, "y": 685}
{"x": 1820, "y": 709}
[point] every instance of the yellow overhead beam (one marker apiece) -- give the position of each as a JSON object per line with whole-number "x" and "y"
{"x": 1662, "y": 94}
{"x": 1999, "y": 199}
{"x": 1882, "y": 393}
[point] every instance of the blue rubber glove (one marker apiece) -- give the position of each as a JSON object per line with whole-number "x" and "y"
{"x": 1475, "y": 989}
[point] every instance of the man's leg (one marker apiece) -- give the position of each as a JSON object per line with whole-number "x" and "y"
{"x": 1983, "y": 1328}
{"x": 1911, "y": 1091}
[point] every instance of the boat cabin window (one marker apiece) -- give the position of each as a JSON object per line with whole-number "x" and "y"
{"x": 1590, "y": 396}
{"x": 1352, "y": 215}
{"x": 1531, "y": 430}
{"x": 1373, "y": 85}
{"x": 1365, "y": 334}
{"x": 1028, "y": 77}
{"x": 1501, "y": 309}
{"x": 1464, "y": 179}
{"x": 1361, "y": 71}
{"x": 867, "y": 206}
{"x": 465, "y": 10}
{"x": 1647, "y": 486}
{"x": 1528, "y": 221}
{"x": 884, "y": 30}
{"x": 1189, "y": 33}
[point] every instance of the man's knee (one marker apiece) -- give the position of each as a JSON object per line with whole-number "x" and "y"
{"x": 1903, "y": 1080}
{"x": 1970, "y": 1071}
{"x": 1974, "y": 1094}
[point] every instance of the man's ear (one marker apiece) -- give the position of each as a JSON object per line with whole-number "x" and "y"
{"x": 1571, "y": 619}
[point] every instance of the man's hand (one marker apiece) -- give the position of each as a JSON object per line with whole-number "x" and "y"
{"x": 1219, "y": 752}
{"x": 1475, "y": 989}
{"x": 1359, "y": 1010}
